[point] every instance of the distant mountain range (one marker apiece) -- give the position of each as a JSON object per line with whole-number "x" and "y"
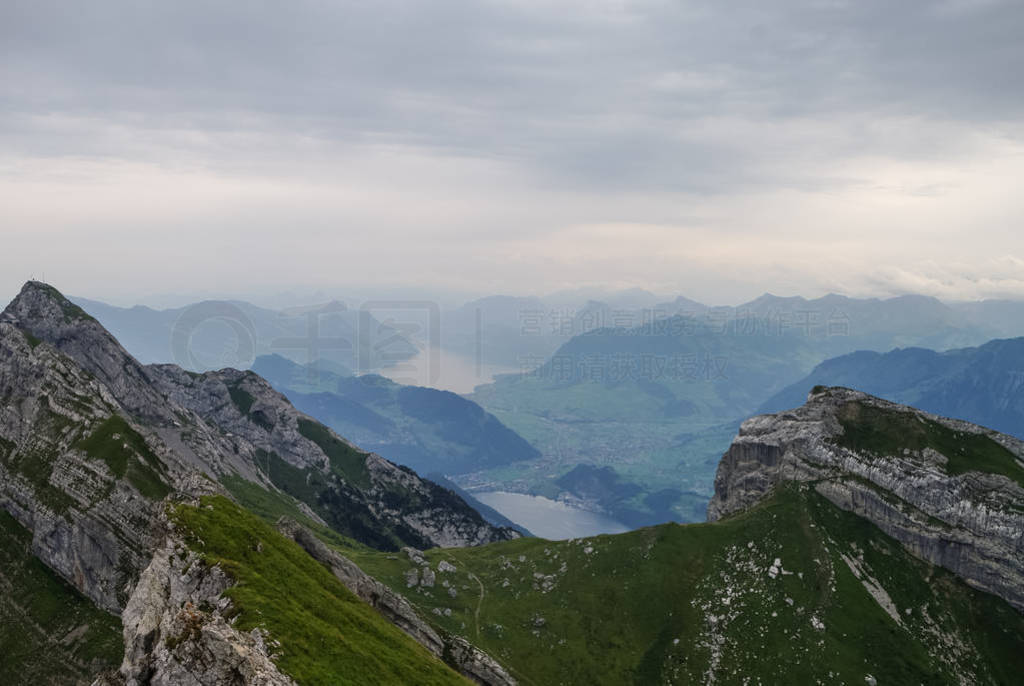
{"x": 513, "y": 330}
{"x": 512, "y": 333}
{"x": 984, "y": 385}
{"x": 214, "y": 334}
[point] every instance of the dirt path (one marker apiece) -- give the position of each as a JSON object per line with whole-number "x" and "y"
{"x": 479, "y": 602}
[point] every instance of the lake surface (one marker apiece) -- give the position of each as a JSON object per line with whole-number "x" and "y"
{"x": 444, "y": 371}
{"x": 549, "y": 518}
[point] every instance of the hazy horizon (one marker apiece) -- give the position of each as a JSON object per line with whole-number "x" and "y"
{"x": 447, "y": 300}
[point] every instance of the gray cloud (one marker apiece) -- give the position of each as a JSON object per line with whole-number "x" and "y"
{"x": 603, "y": 101}
{"x": 606, "y": 91}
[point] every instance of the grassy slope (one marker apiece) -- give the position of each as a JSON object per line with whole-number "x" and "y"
{"x": 672, "y": 604}
{"x": 127, "y": 455}
{"x": 271, "y": 506}
{"x": 346, "y": 461}
{"x": 49, "y": 632}
{"x": 327, "y": 635}
{"x": 883, "y": 432}
{"x": 330, "y": 499}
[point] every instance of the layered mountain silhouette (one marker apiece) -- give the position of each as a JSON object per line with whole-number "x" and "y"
{"x": 661, "y": 399}
{"x": 427, "y": 429}
{"x": 983, "y": 385}
{"x": 213, "y": 334}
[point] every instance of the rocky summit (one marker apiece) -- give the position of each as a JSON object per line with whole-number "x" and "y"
{"x": 951, "y": 492}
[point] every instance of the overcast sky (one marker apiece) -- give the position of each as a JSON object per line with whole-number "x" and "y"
{"x": 717, "y": 149}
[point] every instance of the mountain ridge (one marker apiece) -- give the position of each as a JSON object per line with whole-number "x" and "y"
{"x": 980, "y": 384}
{"x": 429, "y": 430}
{"x": 92, "y": 444}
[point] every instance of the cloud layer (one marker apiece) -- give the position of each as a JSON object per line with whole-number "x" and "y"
{"x": 718, "y": 149}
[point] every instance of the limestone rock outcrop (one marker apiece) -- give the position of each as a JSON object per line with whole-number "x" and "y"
{"x": 970, "y": 521}
{"x": 177, "y": 634}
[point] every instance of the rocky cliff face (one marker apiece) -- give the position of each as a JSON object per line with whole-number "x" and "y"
{"x": 277, "y": 445}
{"x": 92, "y": 442}
{"x": 951, "y": 492}
{"x": 90, "y": 523}
{"x": 177, "y": 632}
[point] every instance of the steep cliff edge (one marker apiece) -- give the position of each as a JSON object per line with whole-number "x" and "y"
{"x": 951, "y": 492}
